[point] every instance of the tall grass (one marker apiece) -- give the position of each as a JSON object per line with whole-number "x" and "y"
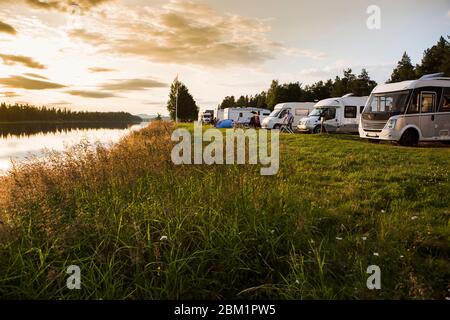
{"x": 140, "y": 227}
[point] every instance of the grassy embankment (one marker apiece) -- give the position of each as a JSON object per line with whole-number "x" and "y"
{"x": 309, "y": 232}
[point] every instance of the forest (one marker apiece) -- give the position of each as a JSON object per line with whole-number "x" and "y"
{"x": 28, "y": 113}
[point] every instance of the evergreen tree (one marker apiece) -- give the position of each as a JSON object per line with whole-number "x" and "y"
{"x": 404, "y": 70}
{"x": 273, "y": 95}
{"x": 435, "y": 59}
{"x": 187, "y": 107}
{"x": 242, "y": 102}
{"x": 228, "y": 102}
{"x": 363, "y": 85}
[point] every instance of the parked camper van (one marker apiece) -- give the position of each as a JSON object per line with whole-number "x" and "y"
{"x": 409, "y": 111}
{"x": 298, "y": 110}
{"x": 206, "y": 116}
{"x": 243, "y": 115}
{"x": 339, "y": 115}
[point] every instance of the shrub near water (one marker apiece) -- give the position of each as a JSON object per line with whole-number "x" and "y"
{"x": 140, "y": 227}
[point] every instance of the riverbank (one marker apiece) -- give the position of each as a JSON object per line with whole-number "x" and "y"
{"x": 140, "y": 227}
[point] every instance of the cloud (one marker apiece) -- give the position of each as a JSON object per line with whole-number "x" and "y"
{"x": 27, "y": 83}
{"x": 6, "y": 28}
{"x": 90, "y": 37}
{"x": 11, "y": 60}
{"x": 9, "y": 94}
{"x": 34, "y": 75}
{"x": 98, "y": 70}
{"x": 59, "y": 103}
{"x": 184, "y": 32}
{"x": 65, "y": 5}
{"x": 91, "y": 94}
{"x": 132, "y": 85}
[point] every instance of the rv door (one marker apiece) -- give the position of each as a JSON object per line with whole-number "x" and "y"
{"x": 427, "y": 106}
{"x": 330, "y": 120}
{"x": 442, "y": 121}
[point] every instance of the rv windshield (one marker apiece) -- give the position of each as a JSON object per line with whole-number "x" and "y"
{"x": 275, "y": 113}
{"x": 392, "y": 103}
{"x": 316, "y": 113}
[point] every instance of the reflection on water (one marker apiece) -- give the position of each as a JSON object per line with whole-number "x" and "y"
{"x": 18, "y": 142}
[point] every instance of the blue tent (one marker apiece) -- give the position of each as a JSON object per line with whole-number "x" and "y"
{"x": 225, "y": 124}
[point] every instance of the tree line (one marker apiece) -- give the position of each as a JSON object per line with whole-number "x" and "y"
{"x": 29, "y": 113}
{"x": 435, "y": 59}
{"x": 360, "y": 85}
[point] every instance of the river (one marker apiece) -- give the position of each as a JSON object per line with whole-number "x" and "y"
{"x": 17, "y": 142}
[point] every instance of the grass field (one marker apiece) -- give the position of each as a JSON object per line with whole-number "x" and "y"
{"x": 140, "y": 227}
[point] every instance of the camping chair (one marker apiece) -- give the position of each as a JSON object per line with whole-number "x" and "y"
{"x": 287, "y": 127}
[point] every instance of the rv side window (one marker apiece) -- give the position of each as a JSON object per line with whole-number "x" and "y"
{"x": 350, "y": 112}
{"x": 414, "y": 107}
{"x": 445, "y": 107}
{"x": 301, "y": 112}
{"x": 241, "y": 114}
{"x": 361, "y": 109}
{"x": 427, "y": 102}
{"x": 329, "y": 114}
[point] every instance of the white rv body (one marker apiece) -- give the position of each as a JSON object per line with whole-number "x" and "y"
{"x": 297, "y": 109}
{"x": 408, "y": 112}
{"x": 243, "y": 115}
{"x": 219, "y": 114}
{"x": 340, "y": 115}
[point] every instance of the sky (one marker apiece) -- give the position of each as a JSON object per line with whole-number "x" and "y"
{"x": 122, "y": 55}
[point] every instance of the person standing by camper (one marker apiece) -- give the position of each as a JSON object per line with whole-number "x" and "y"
{"x": 255, "y": 122}
{"x": 288, "y": 120}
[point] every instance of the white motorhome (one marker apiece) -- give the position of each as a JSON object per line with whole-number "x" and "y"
{"x": 340, "y": 115}
{"x": 408, "y": 112}
{"x": 219, "y": 114}
{"x": 243, "y": 115}
{"x": 297, "y": 109}
{"x": 207, "y": 116}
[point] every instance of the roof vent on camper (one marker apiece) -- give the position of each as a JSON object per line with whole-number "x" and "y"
{"x": 433, "y": 76}
{"x": 348, "y": 95}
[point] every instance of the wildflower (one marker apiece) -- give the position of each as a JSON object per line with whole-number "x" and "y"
{"x": 376, "y": 254}
{"x": 382, "y": 211}
{"x": 402, "y": 256}
{"x": 297, "y": 282}
{"x": 339, "y": 238}
{"x": 272, "y": 231}
{"x": 312, "y": 241}
{"x": 414, "y": 218}
{"x": 163, "y": 238}
{"x": 364, "y": 238}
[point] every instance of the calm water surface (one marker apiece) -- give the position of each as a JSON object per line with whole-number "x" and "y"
{"x": 17, "y": 142}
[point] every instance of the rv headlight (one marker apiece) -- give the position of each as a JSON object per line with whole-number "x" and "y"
{"x": 391, "y": 123}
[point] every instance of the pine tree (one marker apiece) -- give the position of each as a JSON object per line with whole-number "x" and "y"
{"x": 187, "y": 107}
{"x": 404, "y": 70}
{"x": 436, "y": 59}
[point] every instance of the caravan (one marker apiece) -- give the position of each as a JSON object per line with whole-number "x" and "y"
{"x": 338, "y": 115}
{"x": 243, "y": 115}
{"x": 297, "y": 109}
{"x": 408, "y": 112}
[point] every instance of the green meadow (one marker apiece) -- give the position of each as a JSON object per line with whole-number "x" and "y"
{"x": 140, "y": 227}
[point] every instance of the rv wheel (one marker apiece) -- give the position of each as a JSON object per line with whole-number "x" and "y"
{"x": 318, "y": 130}
{"x": 409, "y": 138}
